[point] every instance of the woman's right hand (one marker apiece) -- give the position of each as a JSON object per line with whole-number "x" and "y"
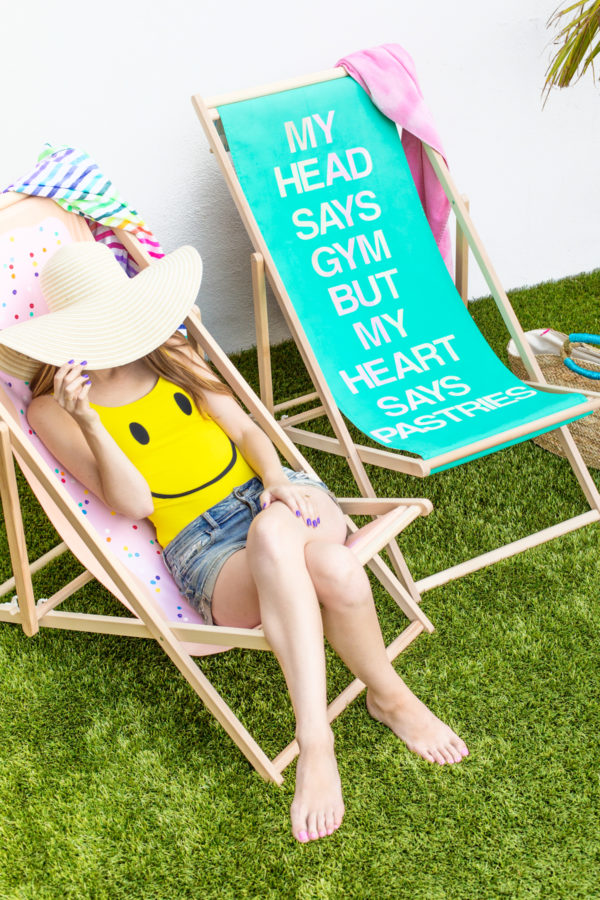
{"x": 71, "y": 389}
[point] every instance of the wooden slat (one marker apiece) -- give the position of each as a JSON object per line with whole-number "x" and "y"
{"x": 399, "y": 593}
{"x": 462, "y": 259}
{"x": 261, "y": 319}
{"x": 10, "y": 198}
{"x": 60, "y": 596}
{"x": 36, "y": 566}
{"x": 506, "y": 551}
{"x": 546, "y": 422}
{"x": 561, "y": 389}
{"x": 295, "y": 401}
{"x": 381, "y": 531}
{"x": 377, "y": 506}
{"x": 315, "y": 413}
{"x": 139, "y": 253}
{"x": 15, "y": 532}
{"x": 394, "y": 461}
{"x": 264, "y": 90}
{"x": 247, "y": 638}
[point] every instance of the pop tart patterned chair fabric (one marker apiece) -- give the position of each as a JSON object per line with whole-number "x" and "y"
{"x": 23, "y": 252}
{"x": 124, "y": 555}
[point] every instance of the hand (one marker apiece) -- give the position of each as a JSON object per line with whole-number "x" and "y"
{"x": 71, "y": 389}
{"x": 295, "y": 497}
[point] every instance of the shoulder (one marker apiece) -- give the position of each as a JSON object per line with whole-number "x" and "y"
{"x": 43, "y": 407}
{"x": 50, "y": 421}
{"x": 53, "y": 425}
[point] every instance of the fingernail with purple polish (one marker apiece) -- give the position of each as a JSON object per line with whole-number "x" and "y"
{"x": 308, "y": 522}
{"x": 298, "y": 513}
{"x": 83, "y": 362}
{"x": 71, "y": 361}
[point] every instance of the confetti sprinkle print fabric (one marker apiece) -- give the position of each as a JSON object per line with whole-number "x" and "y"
{"x": 22, "y": 255}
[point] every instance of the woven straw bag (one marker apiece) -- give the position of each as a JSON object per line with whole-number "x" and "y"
{"x": 570, "y": 361}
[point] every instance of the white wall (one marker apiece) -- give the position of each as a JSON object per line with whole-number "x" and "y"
{"x": 115, "y": 78}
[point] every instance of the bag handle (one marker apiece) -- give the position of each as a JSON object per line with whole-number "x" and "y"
{"x": 577, "y": 339}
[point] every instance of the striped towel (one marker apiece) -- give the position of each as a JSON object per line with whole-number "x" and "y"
{"x": 73, "y": 180}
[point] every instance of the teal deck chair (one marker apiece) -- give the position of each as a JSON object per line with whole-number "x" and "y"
{"x": 321, "y": 181}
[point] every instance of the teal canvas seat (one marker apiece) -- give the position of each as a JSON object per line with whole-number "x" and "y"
{"x": 322, "y": 183}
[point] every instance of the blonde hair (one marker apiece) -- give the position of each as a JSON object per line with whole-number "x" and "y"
{"x": 170, "y": 361}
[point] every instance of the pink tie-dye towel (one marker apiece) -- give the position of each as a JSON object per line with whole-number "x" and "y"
{"x": 389, "y": 76}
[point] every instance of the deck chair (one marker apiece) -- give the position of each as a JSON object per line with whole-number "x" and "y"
{"x": 121, "y": 554}
{"x": 322, "y": 185}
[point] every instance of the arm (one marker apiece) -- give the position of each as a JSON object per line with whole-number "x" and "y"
{"x": 74, "y": 434}
{"x": 256, "y": 448}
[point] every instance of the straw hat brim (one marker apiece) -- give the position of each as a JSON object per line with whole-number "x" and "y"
{"x": 108, "y": 331}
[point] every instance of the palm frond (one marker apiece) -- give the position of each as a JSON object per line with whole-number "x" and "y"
{"x": 578, "y": 43}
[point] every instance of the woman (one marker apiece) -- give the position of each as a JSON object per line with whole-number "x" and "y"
{"x": 246, "y": 541}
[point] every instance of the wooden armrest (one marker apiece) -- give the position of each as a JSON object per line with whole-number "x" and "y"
{"x": 377, "y": 506}
{"x": 366, "y": 542}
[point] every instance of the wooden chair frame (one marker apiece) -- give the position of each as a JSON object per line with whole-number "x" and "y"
{"x": 264, "y": 269}
{"x": 390, "y": 517}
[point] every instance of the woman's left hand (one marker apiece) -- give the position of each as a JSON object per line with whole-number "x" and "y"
{"x": 296, "y": 498}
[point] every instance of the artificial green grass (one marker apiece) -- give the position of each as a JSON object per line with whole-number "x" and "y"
{"x": 115, "y": 782}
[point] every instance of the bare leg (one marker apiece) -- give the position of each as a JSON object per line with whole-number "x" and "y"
{"x": 291, "y": 569}
{"x": 274, "y": 564}
{"x": 352, "y": 628}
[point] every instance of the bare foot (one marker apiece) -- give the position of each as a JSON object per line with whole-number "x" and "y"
{"x": 318, "y": 808}
{"x": 416, "y": 725}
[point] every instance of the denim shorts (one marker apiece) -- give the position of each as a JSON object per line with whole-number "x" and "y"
{"x": 196, "y": 555}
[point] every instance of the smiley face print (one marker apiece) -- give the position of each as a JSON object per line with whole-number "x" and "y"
{"x": 186, "y": 458}
{"x": 141, "y": 434}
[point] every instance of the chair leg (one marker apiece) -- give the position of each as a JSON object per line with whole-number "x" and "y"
{"x": 16, "y": 534}
{"x": 462, "y": 260}
{"x": 263, "y": 348}
{"x": 402, "y": 571}
{"x": 232, "y": 725}
{"x": 579, "y": 467}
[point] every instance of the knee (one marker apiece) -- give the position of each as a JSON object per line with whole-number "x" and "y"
{"x": 271, "y": 537}
{"x": 340, "y": 581}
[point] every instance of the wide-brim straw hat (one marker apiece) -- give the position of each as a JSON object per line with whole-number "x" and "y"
{"x": 98, "y": 314}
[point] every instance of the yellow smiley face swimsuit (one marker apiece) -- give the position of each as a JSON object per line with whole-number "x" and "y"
{"x": 189, "y": 462}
